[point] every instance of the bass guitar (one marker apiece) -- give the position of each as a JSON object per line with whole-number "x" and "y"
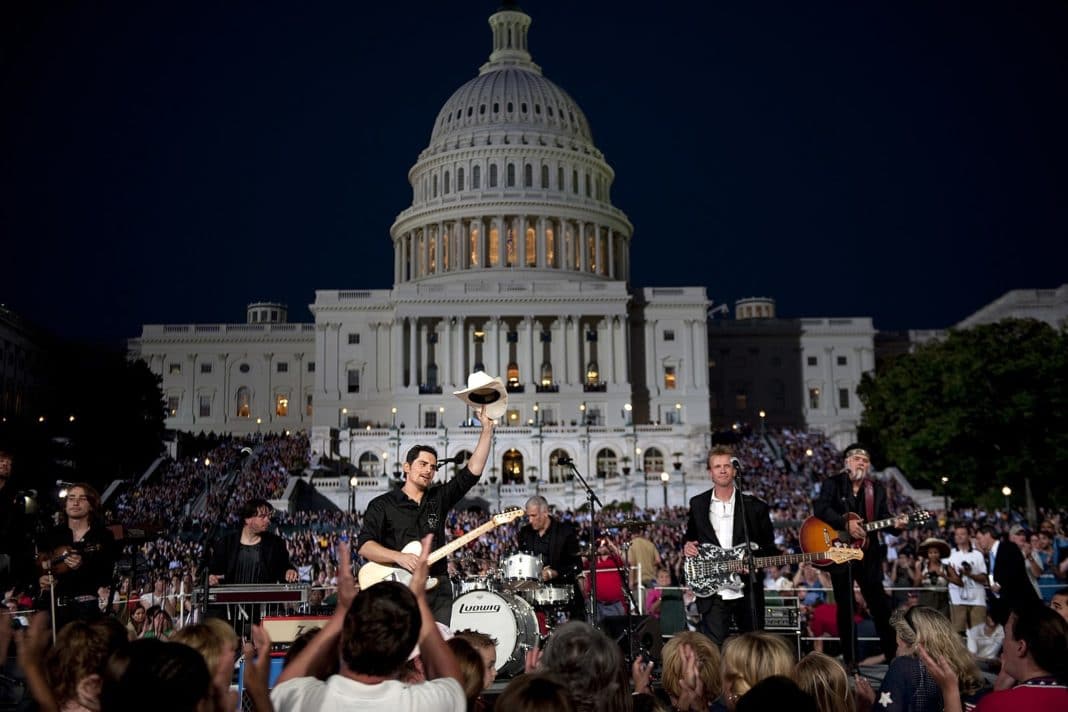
{"x": 817, "y": 535}
{"x": 715, "y": 568}
{"x": 372, "y": 572}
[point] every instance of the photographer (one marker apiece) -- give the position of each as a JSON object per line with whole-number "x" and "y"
{"x": 967, "y": 578}
{"x": 930, "y": 573}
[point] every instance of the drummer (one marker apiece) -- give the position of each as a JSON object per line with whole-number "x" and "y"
{"x": 557, "y": 545}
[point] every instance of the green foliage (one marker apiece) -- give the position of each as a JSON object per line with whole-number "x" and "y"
{"x": 986, "y": 407}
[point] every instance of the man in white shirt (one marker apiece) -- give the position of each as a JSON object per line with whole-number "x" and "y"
{"x": 967, "y": 580}
{"x": 716, "y": 518}
{"x": 375, "y": 633}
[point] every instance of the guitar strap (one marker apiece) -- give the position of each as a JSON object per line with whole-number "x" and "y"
{"x": 869, "y": 501}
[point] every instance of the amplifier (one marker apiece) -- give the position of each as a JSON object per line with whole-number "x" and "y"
{"x": 286, "y": 629}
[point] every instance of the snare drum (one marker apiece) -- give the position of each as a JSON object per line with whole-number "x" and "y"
{"x": 521, "y": 572}
{"x": 506, "y": 618}
{"x": 548, "y": 596}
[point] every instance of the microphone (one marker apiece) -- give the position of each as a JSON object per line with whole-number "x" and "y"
{"x": 564, "y": 460}
{"x": 458, "y": 459}
{"x": 736, "y": 464}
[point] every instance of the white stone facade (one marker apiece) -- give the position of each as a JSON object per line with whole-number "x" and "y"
{"x": 835, "y": 353}
{"x": 511, "y": 259}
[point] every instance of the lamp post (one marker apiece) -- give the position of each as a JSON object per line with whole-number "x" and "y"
{"x": 385, "y": 462}
{"x": 352, "y": 493}
{"x": 945, "y": 496}
{"x": 664, "y": 479}
{"x": 393, "y": 410}
{"x": 763, "y": 417}
{"x": 1007, "y": 491}
{"x": 678, "y": 414}
{"x": 341, "y": 418}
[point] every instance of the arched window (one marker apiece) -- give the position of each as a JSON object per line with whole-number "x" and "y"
{"x": 434, "y": 189}
{"x": 545, "y": 177}
{"x": 511, "y": 175}
{"x": 446, "y": 188}
{"x": 574, "y": 182}
{"x": 476, "y": 178}
{"x": 528, "y": 176}
{"x": 244, "y": 402}
{"x": 369, "y": 465}
{"x": 546, "y": 373}
{"x": 593, "y": 375}
{"x": 512, "y": 467}
{"x": 432, "y": 375}
{"x": 493, "y": 175}
{"x": 531, "y": 248}
{"x": 512, "y": 374}
{"x": 459, "y": 178}
{"x": 606, "y": 463}
{"x": 560, "y": 179}
{"x": 653, "y": 460}
{"x": 558, "y": 472}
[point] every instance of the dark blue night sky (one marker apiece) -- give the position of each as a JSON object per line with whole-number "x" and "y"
{"x": 170, "y": 162}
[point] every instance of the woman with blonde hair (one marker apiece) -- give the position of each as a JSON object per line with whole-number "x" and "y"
{"x": 826, "y": 680}
{"x": 690, "y": 670}
{"x": 751, "y": 657}
{"x": 908, "y": 685}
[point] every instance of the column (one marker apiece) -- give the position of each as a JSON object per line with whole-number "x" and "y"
{"x": 576, "y": 350}
{"x": 584, "y": 257}
{"x": 269, "y": 397}
{"x": 532, "y": 374}
{"x": 502, "y": 241}
{"x": 651, "y": 366}
{"x": 336, "y": 352}
{"x": 225, "y": 395}
{"x": 410, "y": 361}
{"x": 320, "y": 355}
{"x": 621, "y": 341}
{"x": 483, "y": 241}
{"x": 422, "y": 346}
{"x": 297, "y": 400}
{"x": 469, "y": 357}
{"x": 611, "y": 265}
{"x": 542, "y": 239}
{"x": 458, "y": 331}
{"x": 445, "y": 353}
{"x": 556, "y": 350}
{"x": 521, "y": 241}
{"x": 396, "y": 353}
{"x": 565, "y": 352}
{"x": 397, "y": 261}
{"x": 191, "y": 386}
{"x": 490, "y": 347}
{"x": 598, "y": 249}
{"x": 441, "y": 248}
{"x": 605, "y": 355}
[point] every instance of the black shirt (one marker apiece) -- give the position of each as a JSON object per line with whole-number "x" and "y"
{"x": 557, "y": 547}
{"x": 97, "y": 549}
{"x": 394, "y": 519}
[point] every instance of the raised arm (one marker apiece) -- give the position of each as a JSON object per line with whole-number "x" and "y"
{"x": 477, "y": 463}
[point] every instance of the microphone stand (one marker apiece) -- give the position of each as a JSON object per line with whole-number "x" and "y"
{"x": 624, "y": 577}
{"x": 591, "y": 498}
{"x": 748, "y": 550}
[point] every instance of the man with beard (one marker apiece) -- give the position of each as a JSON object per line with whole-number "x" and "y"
{"x": 853, "y": 492}
{"x": 407, "y": 514}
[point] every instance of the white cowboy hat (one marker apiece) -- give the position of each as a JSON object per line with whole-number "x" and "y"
{"x": 485, "y": 390}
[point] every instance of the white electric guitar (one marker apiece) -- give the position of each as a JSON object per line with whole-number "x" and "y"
{"x": 372, "y": 573}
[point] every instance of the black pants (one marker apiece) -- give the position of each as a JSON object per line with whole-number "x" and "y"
{"x": 716, "y": 614}
{"x": 868, "y": 575}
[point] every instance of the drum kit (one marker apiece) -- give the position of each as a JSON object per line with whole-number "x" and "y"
{"x": 511, "y": 605}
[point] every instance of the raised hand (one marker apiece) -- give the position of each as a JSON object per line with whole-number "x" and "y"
{"x": 422, "y": 570}
{"x": 346, "y": 583}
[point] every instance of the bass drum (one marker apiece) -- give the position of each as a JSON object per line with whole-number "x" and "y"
{"x": 506, "y": 618}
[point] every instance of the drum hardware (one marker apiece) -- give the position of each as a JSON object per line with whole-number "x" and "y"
{"x": 506, "y": 618}
{"x": 548, "y": 596}
{"x": 487, "y": 582}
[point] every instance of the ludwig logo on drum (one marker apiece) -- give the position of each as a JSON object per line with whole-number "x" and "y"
{"x": 476, "y": 608}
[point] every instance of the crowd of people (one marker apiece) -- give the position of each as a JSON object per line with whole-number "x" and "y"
{"x": 929, "y": 572}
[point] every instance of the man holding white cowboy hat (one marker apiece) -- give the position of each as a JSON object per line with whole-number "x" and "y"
{"x": 407, "y": 514}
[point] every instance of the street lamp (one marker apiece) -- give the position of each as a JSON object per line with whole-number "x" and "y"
{"x": 664, "y": 479}
{"x": 352, "y": 493}
{"x": 342, "y": 418}
{"x": 678, "y": 414}
{"x": 582, "y": 410}
{"x": 628, "y": 417}
{"x": 537, "y": 417}
{"x": 1007, "y": 491}
{"x": 945, "y": 495}
{"x": 385, "y": 458}
{"x": 763, "y": 416}
{"x": 394, "y": 411}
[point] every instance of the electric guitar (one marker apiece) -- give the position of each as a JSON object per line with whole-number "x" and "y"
{"x": 372, "y": 572}
{"x": 715, "y": 568}
{"x": 817, "y": 535}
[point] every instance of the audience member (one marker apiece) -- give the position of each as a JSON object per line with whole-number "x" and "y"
{"x": 751, "y": 657}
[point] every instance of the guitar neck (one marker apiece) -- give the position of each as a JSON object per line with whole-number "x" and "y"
{"x": 879, "y": 524}
{"x": 462, "y": 541}
{"x": 783, "y": 559}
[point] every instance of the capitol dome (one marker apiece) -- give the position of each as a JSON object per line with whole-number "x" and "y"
{"x": 511, "y": 179}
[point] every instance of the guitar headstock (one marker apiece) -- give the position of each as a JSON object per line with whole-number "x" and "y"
{"x": 917, "y": 517}
{"x": 507, "y": 516}
{"x": 842, "y": 554}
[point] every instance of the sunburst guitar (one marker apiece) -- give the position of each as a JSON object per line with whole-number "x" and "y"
{"x": 817, "y": 535}
{"x": 372, "y": 573}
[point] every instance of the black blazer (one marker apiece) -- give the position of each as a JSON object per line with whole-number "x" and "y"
{"x": 274, "y": 558}
{"x": 1010, "y": 573}
{"x": 699, "y": 526}
{"x": 831, "y": 508}
{"x": 563, "y": 547}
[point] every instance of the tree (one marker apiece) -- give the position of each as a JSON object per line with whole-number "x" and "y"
{"x": 986, "y": 407}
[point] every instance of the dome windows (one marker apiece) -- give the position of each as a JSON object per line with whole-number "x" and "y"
{"x": 550, "y": 110}
{"x": 493, "y": 175}
{"x": 511, "y": 175}
{"x": 482, "y": 109}
{"x": 523, "y": 108}
{"x": 528, "y": 176}
{"x": 537, "y": 109}
{"x": 470, "y": 110}
{"x": 460, "y": 178}
{"x": 545, "y": 177}
{"x": 511, "y": 107}
{"x": 496, "y": 108}
{"x": 476, "y": 177}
